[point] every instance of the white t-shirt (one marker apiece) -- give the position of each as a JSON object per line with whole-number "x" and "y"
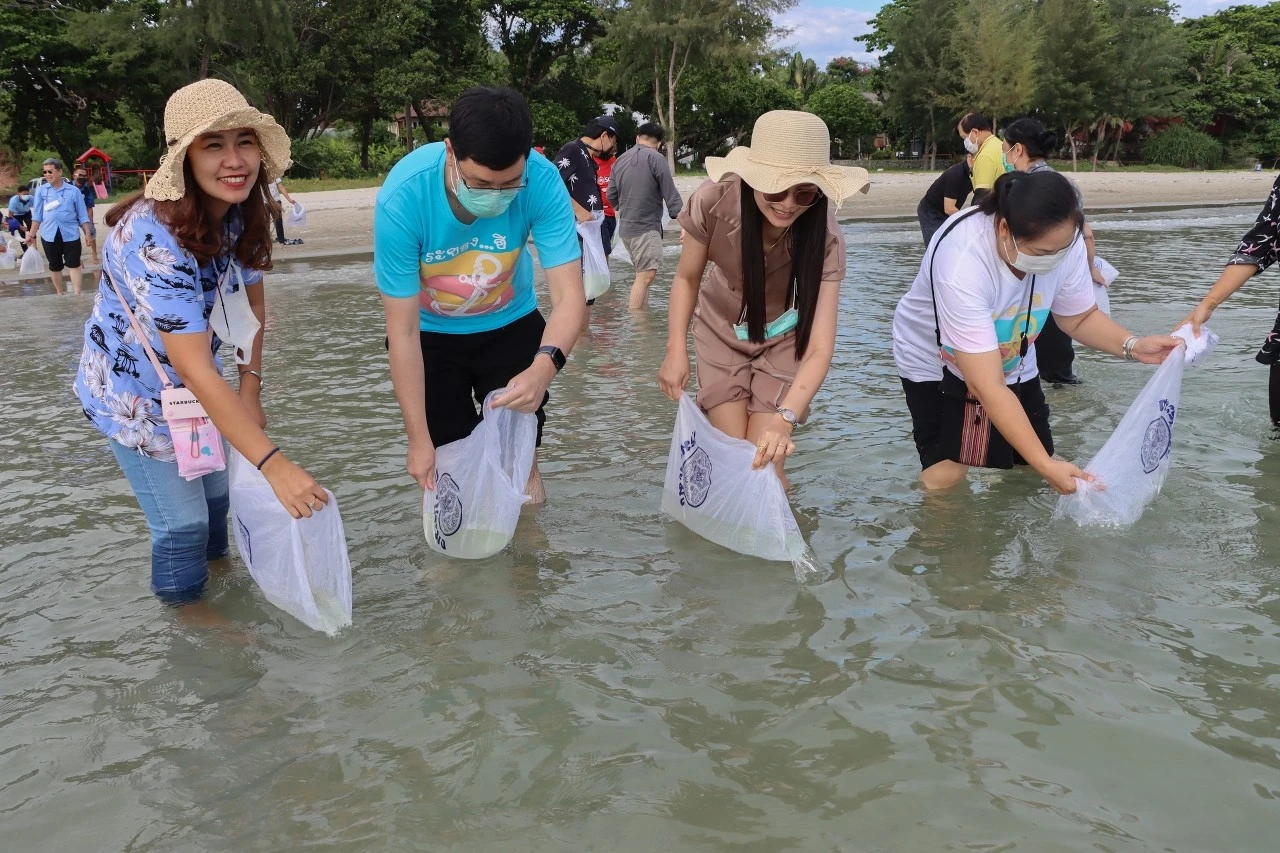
{"x": 982, "y": 304}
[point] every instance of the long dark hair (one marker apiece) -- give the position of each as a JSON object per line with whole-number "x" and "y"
{"x": 1030, "y": 133}
{"x": 1031, "y": 203}
{"x": 808, "y": 250}
{"x": 198, "y": 233}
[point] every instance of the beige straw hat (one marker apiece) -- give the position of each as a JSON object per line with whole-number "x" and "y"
{"x": 790, "y": 147}
{"x": 205, "y": 107}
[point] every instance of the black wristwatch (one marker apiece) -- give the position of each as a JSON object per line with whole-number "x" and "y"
{"x": 557, "y": 357}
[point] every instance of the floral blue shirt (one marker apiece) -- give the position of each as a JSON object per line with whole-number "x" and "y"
{"x": 167, "y": 291}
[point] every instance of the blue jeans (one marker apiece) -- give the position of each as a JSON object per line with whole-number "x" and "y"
{"x": 188, "y": 521}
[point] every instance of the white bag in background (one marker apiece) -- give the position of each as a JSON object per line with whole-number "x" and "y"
{"x": 301, "y": 565}
{"x": 8, "y": 258}
{"x": 32, "y": 263}
{"x": 480, "y": 485}
{"x": 595, "y": 266}
{"x": 1132, "y": 465}
{"x": 712, "y": 489}
{"x": 296, "y": 215}
{"x": 620, "y": 252}
{"x": 1102, "y": 295}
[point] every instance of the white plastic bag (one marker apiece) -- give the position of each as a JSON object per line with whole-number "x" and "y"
{"x": 1101, "y": 294}
{"x": 712, "y": 489}
{"x": 296, "y": 215}
{"x": 620, "y": 253}
{"x": 32, "y": 263}
{"x": 595, "y": 266}
{"x": 8, "y": 258}
{"x": 480, "y": 485}
{"x": 1132, "y": 465}
{"x": 301, "y": 565}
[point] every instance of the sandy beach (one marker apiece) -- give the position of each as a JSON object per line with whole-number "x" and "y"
{"x": 340, "y": 223}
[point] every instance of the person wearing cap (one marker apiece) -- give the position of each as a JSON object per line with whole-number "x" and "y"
{"x": 578, "y": 167}
{"x": 197, "y": 238}
{"x": 58, "y": 217}
{"x": 764, "y": 325}
{"x": 450, "y": 257}
{"x": 640, "y": 185}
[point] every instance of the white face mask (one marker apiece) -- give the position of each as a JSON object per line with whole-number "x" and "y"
{"x": 1038, "y": 263}
{"x": 233, "y": 320}
{"x": 971, "y": 146}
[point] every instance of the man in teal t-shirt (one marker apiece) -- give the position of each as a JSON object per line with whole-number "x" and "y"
{"x": 450, "y": 234}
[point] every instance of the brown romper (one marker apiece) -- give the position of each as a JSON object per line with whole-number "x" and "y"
{"x": 730, "y": 369}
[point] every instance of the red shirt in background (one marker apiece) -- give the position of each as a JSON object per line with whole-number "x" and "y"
{"x": 604, "y": 170}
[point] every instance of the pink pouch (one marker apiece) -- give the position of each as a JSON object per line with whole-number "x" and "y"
{"x": 197, "y": 444}
{"x": 178, "y": 404}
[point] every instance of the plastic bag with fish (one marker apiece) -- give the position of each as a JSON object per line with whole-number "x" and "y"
{"x": 480, "y": 484}
{"x": 300, "y": 564}
{"x": 712, "y": 489}
{"x": 1131, "y": 467}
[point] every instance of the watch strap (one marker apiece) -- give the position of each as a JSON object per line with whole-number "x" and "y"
{"x": 554, "y": 352}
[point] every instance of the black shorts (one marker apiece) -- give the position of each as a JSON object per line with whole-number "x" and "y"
{"x": 462, "y": 369}
{"x": 62, "y": 254}
{"x": 949, "y": 423}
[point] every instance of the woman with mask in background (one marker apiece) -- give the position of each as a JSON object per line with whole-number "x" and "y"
{"x": 963, "y": 333}
{"x": 764, "y": 328}
{"x": 1027, "y": 145}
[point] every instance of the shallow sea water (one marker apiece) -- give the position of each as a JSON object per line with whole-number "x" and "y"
{"x": 970, "y": 676}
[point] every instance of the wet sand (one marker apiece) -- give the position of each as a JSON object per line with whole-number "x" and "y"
{"x": 340, "y": 223}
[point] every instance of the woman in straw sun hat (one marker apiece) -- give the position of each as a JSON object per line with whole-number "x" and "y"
{"x": 765, "y": 320}
{"x": 182, "y": 274}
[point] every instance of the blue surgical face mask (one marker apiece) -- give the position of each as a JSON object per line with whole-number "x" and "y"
{"x": 785, "y": 322}
{"x": 1004, "y": 160}
{"x": 483, "y": 204}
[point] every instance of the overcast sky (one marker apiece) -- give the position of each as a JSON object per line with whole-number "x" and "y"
{"x": 823, "y": 29}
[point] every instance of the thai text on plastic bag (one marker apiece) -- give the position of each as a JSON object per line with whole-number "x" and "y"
{"x": 595, "y": 266}
{"x": 296, "y": 215}
{"x": 300, "y": 564}
{"x": 32, "y": 263}
{"x": 480, "y": 485}
{"x": 712, "y": 489}
{"x": 1132, "y": 466}
{"x": 1102, "y": 292}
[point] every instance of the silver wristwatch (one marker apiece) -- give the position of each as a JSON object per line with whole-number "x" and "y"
{"x": 788, "y": 416}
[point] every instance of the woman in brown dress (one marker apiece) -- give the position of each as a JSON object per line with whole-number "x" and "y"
{"x": 764, "y": 325}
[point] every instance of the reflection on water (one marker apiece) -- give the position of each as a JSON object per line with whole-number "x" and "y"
{"x": 973, "y": 676}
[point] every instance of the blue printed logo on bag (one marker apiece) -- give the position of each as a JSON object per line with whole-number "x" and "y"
{"x": 695, "y": 473}
{"x": 448, "y": 512}
{"x": 1157, "y": 442}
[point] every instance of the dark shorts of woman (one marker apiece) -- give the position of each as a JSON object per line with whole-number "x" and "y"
{"x": 949, "y": 423}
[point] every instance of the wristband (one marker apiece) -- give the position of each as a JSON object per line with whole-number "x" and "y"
{"x": 244, "y": 373}
{"x": 272, "y": 452}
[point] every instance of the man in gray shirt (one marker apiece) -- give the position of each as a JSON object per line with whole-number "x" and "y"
{"x": 640, "y": 185}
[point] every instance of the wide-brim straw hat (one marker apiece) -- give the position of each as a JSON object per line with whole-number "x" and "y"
{"x": 206, "y": 107}
{"x": 790, "y": 147}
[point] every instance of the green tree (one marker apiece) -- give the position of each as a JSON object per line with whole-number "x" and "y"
{"x": 1147, "y": 58}
{"x": 846, "y": 69}
{"x": 534, "y": 34}
{"x": 994, "y": 47}
{"x": 1073, "y": 64}
{"x": 656, "y": 43}
{"x": 917, "y": 79}
{"x": 720, "y": 105}
{"x": 847, "y": 112}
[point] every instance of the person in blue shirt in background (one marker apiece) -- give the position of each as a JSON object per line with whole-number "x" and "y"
{"x": 81, "y": 180}
{"x": 58, "y": 216}
{"x": 20, "y": 207}
{"x": 450, "y": 233}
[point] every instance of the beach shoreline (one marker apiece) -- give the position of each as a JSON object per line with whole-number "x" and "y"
{"x": 340, "y": 222}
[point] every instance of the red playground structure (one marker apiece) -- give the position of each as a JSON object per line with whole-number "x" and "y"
{"x": 98, "y": 165}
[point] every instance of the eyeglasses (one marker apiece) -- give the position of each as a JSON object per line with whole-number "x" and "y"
{"x": 48, "y": 171}
{"x": 804, "y": 196}
{"x": 523, "y": 183}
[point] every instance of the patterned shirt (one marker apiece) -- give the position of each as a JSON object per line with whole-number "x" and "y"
{"x": 1261, "y": 246}
{"x": 578, "y": 171}
{"x": 168, "y": 291}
